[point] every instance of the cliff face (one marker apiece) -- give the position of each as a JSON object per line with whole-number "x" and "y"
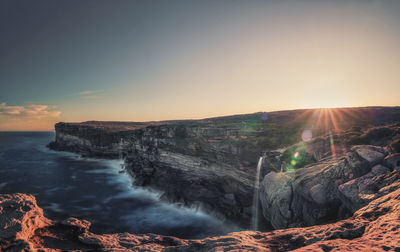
{"x": 87, "y": 140}
{"x": 212, "y": 162}
{"x": 195, "y": 165}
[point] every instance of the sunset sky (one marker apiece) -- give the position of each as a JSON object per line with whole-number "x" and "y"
{"x": 158, "y": 60}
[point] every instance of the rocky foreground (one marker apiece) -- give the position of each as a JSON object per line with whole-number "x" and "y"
{"x": 23, "y": 227}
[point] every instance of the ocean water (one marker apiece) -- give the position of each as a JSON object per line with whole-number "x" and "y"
{"x": 66, "y": 185}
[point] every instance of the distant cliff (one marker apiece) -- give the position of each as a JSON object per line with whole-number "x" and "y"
{"x": 212, "y": 162}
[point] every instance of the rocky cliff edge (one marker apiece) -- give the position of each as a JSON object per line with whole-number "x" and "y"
{"x": 23, "y": 227}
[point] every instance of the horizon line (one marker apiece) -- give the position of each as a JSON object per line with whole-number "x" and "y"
{"x": 199, "y": 119}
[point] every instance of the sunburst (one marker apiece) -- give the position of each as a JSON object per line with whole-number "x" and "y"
{"x": 326, "y": 122}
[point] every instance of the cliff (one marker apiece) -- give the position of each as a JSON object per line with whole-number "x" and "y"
{"x": 212, "y": 162}
{"x": 195, "y": 165}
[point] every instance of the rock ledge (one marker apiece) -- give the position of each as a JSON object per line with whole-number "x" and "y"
{"x": 23, "y": 227}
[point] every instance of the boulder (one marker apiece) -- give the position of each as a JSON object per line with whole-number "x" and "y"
{"x": 310, "y": 195}
{"x": 276, "y": 196}
{"x": 372, "y": 154}
{"x": 360, "y": 191}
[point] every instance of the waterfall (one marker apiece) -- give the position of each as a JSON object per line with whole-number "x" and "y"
{"x": 254, "y": 220}
{"x": 120, "y": 147}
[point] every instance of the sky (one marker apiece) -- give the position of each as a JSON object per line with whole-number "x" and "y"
{"x": 159, "y": 60}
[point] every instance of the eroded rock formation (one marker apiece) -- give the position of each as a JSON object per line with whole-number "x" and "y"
{"x": 377, "y": 225}
{"x": 334, "y": 185}
{"x": 325, "y": 191}
{"x": 212, "y": 162}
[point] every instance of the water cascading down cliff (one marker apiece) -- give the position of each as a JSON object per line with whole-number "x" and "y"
{"x": 120, "y": 156}
{"x": 255, "y": 207}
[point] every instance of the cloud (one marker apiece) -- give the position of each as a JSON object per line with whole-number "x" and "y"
{"x": 91, "y": 94}
{"x": 10, "y": 110}
{"x": 31, "y": 111}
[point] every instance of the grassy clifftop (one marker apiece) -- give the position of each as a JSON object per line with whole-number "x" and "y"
{"x": 268, "y": 130}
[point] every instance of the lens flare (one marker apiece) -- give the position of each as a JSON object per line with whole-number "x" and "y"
{"x": 332, "y": 144}
{"x": 264, "y": 117}
{"x": 326, "y": 122}
{"x": 306, "y": 136}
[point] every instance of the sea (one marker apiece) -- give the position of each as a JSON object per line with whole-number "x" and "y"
{"x": 100, "y": 191}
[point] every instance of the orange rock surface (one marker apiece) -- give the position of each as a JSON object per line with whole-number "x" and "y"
{"x": 375, "y": 227}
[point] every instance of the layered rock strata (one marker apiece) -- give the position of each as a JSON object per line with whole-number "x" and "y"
{"x": 211, "y": 163}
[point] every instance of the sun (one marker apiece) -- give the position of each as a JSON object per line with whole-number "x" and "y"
{"x": 327, "y": 95}
{"x": 327, "y": 123}
{"x": 326, "y": 104}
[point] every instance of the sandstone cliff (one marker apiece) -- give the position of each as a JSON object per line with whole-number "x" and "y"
{"x": 212, "y": 162}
